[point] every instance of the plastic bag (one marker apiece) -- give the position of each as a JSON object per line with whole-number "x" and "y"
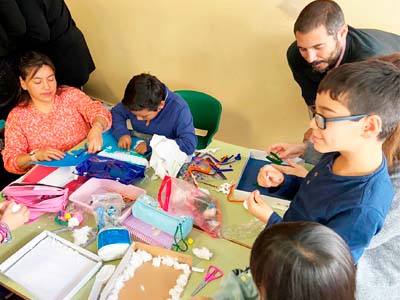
{"x": 107, "y": 208}
{"x": 179, "y": 197}
{"x": 108, "y": 168}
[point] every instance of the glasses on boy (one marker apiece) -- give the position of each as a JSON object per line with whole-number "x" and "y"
{"x": 321, "y": 121}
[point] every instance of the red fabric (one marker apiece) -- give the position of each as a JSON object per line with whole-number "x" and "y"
{"x": 38, "y": 173}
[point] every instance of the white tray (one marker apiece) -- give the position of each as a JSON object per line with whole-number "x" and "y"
{"x": 50, "y": 267}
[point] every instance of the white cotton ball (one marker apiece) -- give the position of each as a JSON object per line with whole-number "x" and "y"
{"x": 15, "y": 208}
{"x": 202, "y": 253}
{"x": 156, "y": 262}
{"x": 178, "y": 289}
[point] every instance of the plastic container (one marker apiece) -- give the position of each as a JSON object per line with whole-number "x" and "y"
{"x": 82, "y": 197}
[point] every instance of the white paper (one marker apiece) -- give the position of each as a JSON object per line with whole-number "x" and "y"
{"x": 59, "y": 177}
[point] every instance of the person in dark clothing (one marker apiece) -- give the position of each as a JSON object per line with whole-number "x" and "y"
{"x": 324, "y": 41}
{"x": 51, "y": 30}
{"x": 12, "y": 29}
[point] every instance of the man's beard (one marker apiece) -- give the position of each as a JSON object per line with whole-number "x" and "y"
{"x": 330, "y": 61}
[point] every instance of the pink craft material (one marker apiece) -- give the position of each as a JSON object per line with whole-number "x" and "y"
{"x": 78, "y": 216}
{"x": 148, "y": 234}
{"x": 38, "y": 198}
{"x": 82, "y": 197}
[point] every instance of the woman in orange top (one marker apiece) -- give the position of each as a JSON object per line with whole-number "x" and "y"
{"x": 49, "y": 119}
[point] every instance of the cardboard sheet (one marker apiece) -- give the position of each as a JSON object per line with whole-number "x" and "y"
{"x": 148, "y": 282}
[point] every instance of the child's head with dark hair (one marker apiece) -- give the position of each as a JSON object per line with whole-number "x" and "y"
{"x": 144, "y": 92}
{"x": 302, "y": 261}
{"x": 370, "y": 88}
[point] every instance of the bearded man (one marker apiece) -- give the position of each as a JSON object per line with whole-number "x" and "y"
{"x": 324, "y": 41}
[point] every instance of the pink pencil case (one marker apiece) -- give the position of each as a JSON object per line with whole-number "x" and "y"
{"x": 38, "y": 198}
{"x": 82, "y": 197}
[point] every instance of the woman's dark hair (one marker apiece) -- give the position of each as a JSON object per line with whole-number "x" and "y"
{"x": 29, "y": 65}
{"x": 325, "y": 13}
{"x": 302, "y": 261}
{"x": 144, "y": 91}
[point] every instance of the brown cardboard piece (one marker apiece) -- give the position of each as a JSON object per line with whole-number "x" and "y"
{"x": 151, "y": 282}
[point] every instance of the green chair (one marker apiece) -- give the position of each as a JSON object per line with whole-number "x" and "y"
{"x": 206, "y": 111}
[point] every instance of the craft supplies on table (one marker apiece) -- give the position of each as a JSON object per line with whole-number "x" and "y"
{"x": 156, "y": 276}
{"x": 124, "y": 155}
{"x": 147, "y": 210}
{"x": 247, "y": 182}
{"x": 101, "y": 279}
{"x": 82, "y": 197}
{"x": 112, "y": 238}
{"x": 181, "y": 198}
{"x": 109, "y": 168}
{"x": 38, "y": 198}
{"x": 213, "y": 273}
{"x": 50, "y": 267}
{"x": 110, "y": 144}
{"x": 148, "y": 234}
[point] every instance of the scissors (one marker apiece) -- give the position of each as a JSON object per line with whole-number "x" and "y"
{"x": 212, "y": 274}
{"x": 274, "y": 158}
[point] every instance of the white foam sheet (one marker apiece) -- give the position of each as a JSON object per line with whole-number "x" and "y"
{"x": 50, "y": 267}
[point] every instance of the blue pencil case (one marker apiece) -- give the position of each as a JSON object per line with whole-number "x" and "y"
{"x": 148, "y": 211}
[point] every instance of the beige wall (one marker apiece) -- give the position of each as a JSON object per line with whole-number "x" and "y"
{"x": 233, "y": 50}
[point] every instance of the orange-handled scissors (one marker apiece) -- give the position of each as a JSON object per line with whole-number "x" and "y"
{"x": 212, "y": 274}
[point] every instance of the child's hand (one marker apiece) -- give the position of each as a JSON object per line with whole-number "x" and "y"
{"x": 201, "y": 298}
{"x": 292, "y": 169}
{"x": 141, "y": 148}
{"x": 258, "y": 207}
{"x": 13, "y": 218}
{"x": 125, "y": 142}
{"x": 285, "y": 150}
{"x": 268, "y": 176}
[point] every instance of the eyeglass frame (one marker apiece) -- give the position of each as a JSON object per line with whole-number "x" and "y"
{"x": 337, "y": 119}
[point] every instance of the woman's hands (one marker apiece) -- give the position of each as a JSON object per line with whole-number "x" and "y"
{"x": 95, "y": 139}
{"x": 13, "y": 217}
{"x": 48, "y": 154}
{"x": 24, "y": 161}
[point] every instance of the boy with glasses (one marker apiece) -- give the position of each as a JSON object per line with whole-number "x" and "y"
{"x": 349, "y": 190}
